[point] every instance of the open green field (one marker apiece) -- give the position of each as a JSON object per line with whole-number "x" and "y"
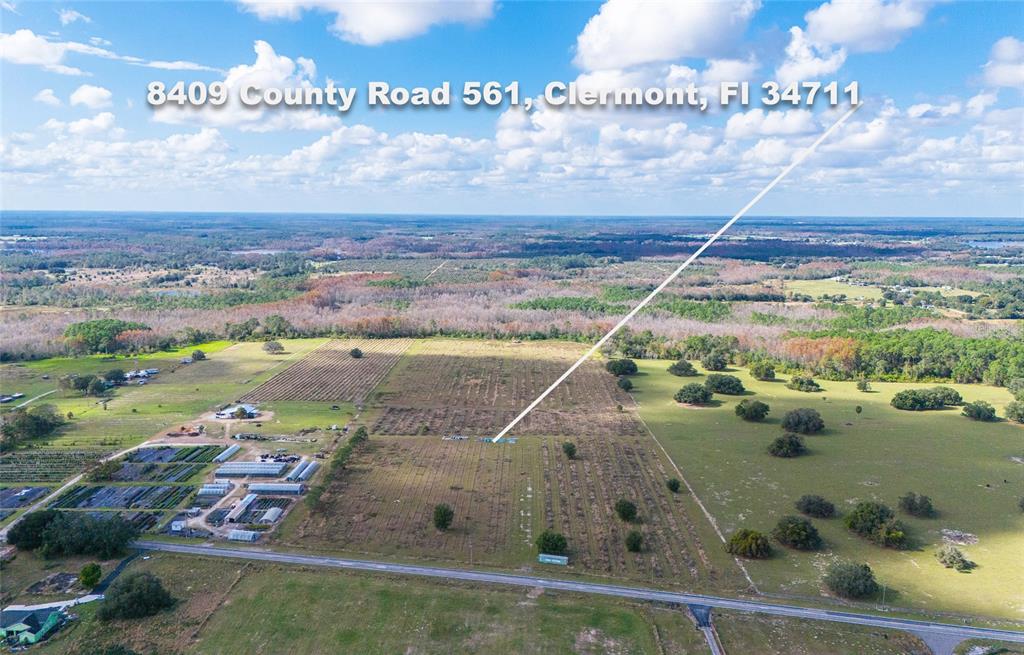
{"x": 178, "y": 394}
{"x": 234, "y": 607}
{"x": 818, "y": 288}
{"x": 971, "y": 470}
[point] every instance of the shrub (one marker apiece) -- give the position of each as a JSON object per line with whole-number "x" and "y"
{"x": 797, "y": 532}
{"x": 951, "y": 557}
{"x": 634, "y": 541}
{"x": 727, "y": 384}
{"x": 625, "y": 509}
{"x": 788, "y": 445}
{"x": 1015, "y": 411}
{"x": 979, "y": 410}
{"x": 762, "y": 371}
{"x": 815, "y": 506}
{"x": 876, "y": 523}
{"x": 133, "y": 596}
{"x": 1016, "y": 387}
{"x": 693, "y": 394}
{"x": 569, "y": 448}
{"x": 198, "y": 355}
{"x": 683, "y": 369}
{"x": 850, "y": 580}
{"x": 714, "y": 361}
{"x": 863, "y": 385}
{"x": 273, "y": 347}
{"x": 752, "y": 410}
{"x": 90, "y": 575}
{"x": 443, "y": 515}
{"x": 803, "y": 420}
{"x": 552, "y": 543}
{"x": 621, "y": 367}
{"x": 799, "y": 383}
{"x": 917, "y": 505}
{"x": 918, "y": 400}
{"x": 748, "y": 543}
{"x": 673, "y": 485}
{"x": 625, "y": 384}
{"x": 355, "y": 353}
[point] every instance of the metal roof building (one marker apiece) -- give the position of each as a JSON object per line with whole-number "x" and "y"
{"x": 240, "y": 508}
{"x": 214, "y": 489}
{"x": 297, "y": 471}
{"x": 243, "y": 535}
{"x": 226, "y": 454}
{"x": 277, "y": 488}
{"x": 272, "y": 515}
{"x": 243, "y": 469}
{"x": 309, "y": 470}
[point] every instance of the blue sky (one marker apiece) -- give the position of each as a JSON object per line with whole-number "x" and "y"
{"x": 940, "y": 132}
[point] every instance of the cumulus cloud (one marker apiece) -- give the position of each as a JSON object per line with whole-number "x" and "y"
{"x": 99, "y": 124}
{"x": 371, "y": 23}
{"x": 758, "y": 122}
{"x": 806, "y": 60}
{"x": 865, "y": 25}
{"x": 28, "y": 48}
{"x": 68, "y": 16}
{"x": 47, "y": 97}
{"x": 1006, "y": 63}
{"x": 93, "y": 97}
{"x": 977, "y": 105}
{"x": 927, "y": 110}
{"x": 270, "y": 70}
{"x": 626, "y": 33}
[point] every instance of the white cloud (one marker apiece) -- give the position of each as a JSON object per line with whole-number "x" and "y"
{"x": 1006, "y": 63}
{"x": 372, "y": 23}
{"x": 68, "y": 16}
{"x": 28, "y": 48}
{"x": 269, "y": 70}
{"x": 927, "y": 110}
{"x": 758, "y": 122}
{"x": 626, "y": 33}
{"x": 865, "y": 25}
{"x": 93, "y": 97}
{"x": 9, "y": 6}
{"x": 47, "y": 97}
{"x": 98, "y": 124}
{"x": 806, "y": 60}
{"x": 977, "y": 105}
{"x": 99, "y": 42}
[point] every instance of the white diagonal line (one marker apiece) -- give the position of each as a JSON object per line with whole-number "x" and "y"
{"x": 707, "y": 244}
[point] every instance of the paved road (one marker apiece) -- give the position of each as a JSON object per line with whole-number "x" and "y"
{"x": 42, "y": 395}
{"x": 945, "y": 631}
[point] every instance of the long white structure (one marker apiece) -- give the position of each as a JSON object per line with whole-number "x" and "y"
{"x": 226, "y": 454}
{"x": 240, "y": 508}
{"x": 309, "y": 471}
{"x": 297, "y": 471}
{"x": 244, "y": 469}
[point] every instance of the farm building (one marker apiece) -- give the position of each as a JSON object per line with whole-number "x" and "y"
{"x": 240, "y": 508}
{"x": 226, "y": 454}
{"x": 234, "y": 410}
{"x": 243, "y": 469}
{"x": 309, "y": 471}
{"x": 243, "y": 535}
{"x": 276, "y": 488}
{"x": 215, "y": 489}
{"x": 25, "y": 627}
{"x": 272, "y": 515}
{"x": 297, "y": 471}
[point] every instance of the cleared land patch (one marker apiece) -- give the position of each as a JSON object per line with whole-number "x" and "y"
{"x": 331, "y": 373}
{"x": 503, "y": 495}
{"x": 445, "y": 386}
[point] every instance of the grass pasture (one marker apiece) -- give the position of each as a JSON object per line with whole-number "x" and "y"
{"x": 178, "y": 395}
{"x": 223, "y": 608}
{"x": 968, "y": 468}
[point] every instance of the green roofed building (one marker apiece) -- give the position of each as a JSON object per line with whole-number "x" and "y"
{"x": 30, "y": 626}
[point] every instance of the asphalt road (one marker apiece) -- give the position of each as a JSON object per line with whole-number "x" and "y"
{"x": 946, "y": 631}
